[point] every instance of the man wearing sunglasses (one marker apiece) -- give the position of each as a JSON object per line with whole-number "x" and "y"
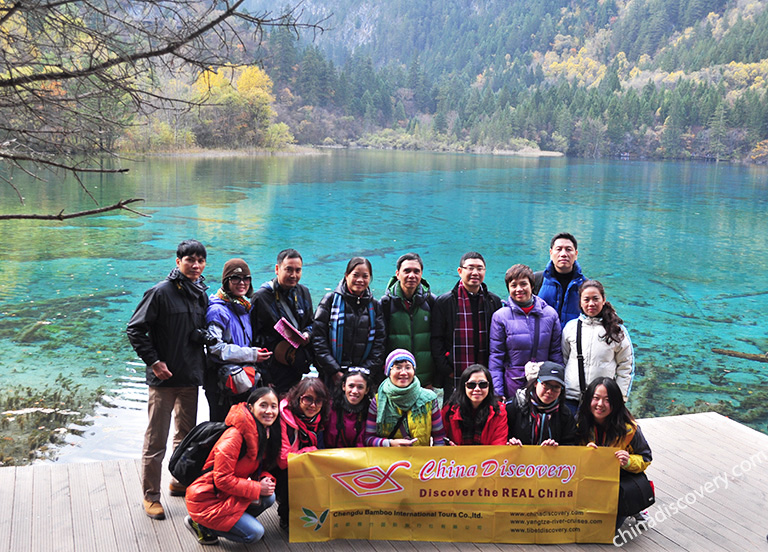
{"x": 165, "y": 331}
{"x": 283, "y": 297}
{"x": 461, "y": 323}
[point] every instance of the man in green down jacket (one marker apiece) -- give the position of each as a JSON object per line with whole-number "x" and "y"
{"x": 407, "y": 307}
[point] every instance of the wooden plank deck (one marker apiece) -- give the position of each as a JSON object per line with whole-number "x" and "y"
{"x": 711, "y": 477}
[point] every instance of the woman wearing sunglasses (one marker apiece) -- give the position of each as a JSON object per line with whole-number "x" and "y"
{"x": 229, "y": 335}
{"x": 303, "y": 413}
{"x": 349, "y": 409}
{"x": 537, "y": 414}
{"x": 474, "y": 415}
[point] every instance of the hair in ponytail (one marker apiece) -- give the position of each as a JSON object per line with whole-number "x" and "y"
{"x": 609, "y": 319}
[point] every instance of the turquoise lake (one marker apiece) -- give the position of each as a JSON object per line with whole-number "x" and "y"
{"x": 680, "y": 248}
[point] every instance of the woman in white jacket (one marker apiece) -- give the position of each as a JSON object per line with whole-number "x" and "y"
{"x": 605, "y": 345}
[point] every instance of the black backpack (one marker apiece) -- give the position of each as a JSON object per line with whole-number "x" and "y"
{"x": 187, "y": 461}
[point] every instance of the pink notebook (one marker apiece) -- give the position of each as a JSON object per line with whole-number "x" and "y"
{"x": 290, "y": 333}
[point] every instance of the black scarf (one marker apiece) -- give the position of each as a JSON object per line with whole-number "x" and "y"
{"x": 541, "y": 417}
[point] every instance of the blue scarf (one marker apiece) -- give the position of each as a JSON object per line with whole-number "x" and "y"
{"x": 337, "y": 327}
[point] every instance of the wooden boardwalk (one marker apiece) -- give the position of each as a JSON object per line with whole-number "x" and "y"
{"x": 711, "y": 477}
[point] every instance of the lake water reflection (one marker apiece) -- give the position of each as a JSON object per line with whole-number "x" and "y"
{"x": 680, "y": 248}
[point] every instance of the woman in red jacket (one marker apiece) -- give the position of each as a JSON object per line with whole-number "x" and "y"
{"x": 474, "y": 415}
{"x": 225, "y": 501}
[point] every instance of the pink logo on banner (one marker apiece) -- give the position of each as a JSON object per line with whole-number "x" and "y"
{"x": 371, "y": 481}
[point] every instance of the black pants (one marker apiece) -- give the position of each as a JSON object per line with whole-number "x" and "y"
{"x": 281, "y": 493}
{"x": 219, "y": 405}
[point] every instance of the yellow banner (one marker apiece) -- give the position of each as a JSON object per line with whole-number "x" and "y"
{"x": 455, "y": 494}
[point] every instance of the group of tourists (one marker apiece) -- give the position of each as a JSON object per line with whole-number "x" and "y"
{"x": 551, "y": 365}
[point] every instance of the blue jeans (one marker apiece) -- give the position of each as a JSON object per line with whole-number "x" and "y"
{"x": 248, "y": 529}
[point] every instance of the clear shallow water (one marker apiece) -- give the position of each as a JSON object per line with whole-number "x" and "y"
{"x": 680, "y": 248}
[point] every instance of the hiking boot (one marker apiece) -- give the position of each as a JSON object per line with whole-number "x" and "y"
{"x": 177, "y": 489}
{"x": 203, "y": 535}
{"x": 154, "y": 509}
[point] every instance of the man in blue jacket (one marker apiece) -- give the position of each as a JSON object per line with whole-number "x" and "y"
{"x": 559, "y": 284}
{"x": 167, "y": 331}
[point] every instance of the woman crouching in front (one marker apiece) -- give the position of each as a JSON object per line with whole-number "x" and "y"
{"x": 403, "y": 413}
{"x": 474, "y": 415}
{"x": 303, "y": 415}
{"x": 225, "y": 501}
{"x": 537, "y": 414}
{"x": 604, "y": 421}
{"x": 349, "y": 409}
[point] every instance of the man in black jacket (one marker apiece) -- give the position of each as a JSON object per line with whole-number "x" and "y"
{"x": 283, "y": 297}
{"x": 461, "y": 323}
{"x": 167, "y": 332}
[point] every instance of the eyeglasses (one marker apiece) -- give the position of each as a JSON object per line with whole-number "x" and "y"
{"x": 472, "y": 384}
{"x": 402, "y": 367}
{"x": 306, "y": 400}
{"x": 359, "y": 369}
{"x": 240, "y": 279}
{"x": 473, "y": 268}
{"x": 553, "y": 387}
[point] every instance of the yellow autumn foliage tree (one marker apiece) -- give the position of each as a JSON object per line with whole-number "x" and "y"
{"x": 242, "y": 110}
{"x": 759, "y": 153}
{"x": 579, "y": 68}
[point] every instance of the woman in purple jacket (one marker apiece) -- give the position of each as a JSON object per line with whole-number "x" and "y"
{"x": 524, "y": 330}
{"x": 349, "y": 409}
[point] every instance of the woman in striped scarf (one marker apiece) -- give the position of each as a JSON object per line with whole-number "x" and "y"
{"x": 537, "y": 414}
{"x": 349, "y": 327}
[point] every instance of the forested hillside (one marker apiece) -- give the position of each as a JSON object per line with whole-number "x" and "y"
{"x": 657, "y": 78}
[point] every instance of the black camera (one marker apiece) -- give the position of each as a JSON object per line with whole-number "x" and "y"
{"x": 202, "y": 336}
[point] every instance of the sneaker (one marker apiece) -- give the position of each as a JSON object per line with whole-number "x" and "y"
{"x": 284, "y": 524}
{"x": 154, "y": 509}
{"x": 642, "y": 517}
{"x": 203, "y": 535}
{"x": 177, "y": 489}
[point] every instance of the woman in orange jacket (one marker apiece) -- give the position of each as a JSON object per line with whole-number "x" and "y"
{"x": 226, "y": 499}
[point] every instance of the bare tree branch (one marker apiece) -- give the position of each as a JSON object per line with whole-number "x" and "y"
{"x": 62, "y": 166}
{"x": 76, "y": 74}
{"x": 169, "y": 48}
{"x": 61, "y": 216}
{"x": 14, "y": 188}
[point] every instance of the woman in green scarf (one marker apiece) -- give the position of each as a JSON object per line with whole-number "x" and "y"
{"x": 403, "y": 414}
